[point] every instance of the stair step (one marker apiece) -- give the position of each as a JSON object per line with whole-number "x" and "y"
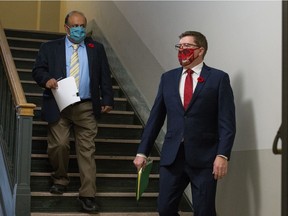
{"x": 107, "y": 214}
{"x": 110, "y": 182}
{"x": 40, "y": 96}
{"x": 64, "y": 203}
{"x": 116, "y": 131}
{"x": 25, "y": 42}
{"x": 41, "y": 202}
{"x": 39, "y": 123}
{"x": 103, "y": 166}
{"x": 99, "y": 175}
{"x": 24, "y": 74}
{"x": 113, "y": 117}
{"x": 97, "y": 157}
{"x": 32, "y": 86}
{"x": 107, "y": 140}
{"x": 27, "y": 39}
{"x": 25, "y": 63}
{"x": 24, "y": 52}
{"x": 15, "y": 33}
{"x": 112, "y": 112}
{"x": 112, "y": 147}
{"x": 24, "y": 49}
{"x": 106, "y": 194}
{"x": 119, "y": 103}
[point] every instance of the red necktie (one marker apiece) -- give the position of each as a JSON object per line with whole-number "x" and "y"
{"x": 188, "y": 88}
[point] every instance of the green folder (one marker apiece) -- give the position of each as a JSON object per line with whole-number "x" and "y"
{"x": 143, "y": 179}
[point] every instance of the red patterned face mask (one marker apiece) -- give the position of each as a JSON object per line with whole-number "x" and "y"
{"x": 186, "y": 56}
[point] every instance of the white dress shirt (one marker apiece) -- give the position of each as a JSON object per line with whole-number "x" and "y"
{"x": 197, "y": 70}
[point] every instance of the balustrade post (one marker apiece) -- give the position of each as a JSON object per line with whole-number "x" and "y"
{"x": 23, "y": 163}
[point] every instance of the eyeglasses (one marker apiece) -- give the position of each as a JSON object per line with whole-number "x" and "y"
{"x": 185, "y": 45}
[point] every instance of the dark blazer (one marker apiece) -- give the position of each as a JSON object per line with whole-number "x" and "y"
{"x": 51, "y": 63}
{"x": 207, "y": 126}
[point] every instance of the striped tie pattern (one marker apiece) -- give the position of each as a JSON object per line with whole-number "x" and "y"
{"x": 74, "y": 64}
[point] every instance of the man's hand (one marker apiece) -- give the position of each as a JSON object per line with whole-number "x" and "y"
{"x": 139, "y": 162}
{"x": 220, "y": 167}
{"x": 106, "y": 109}
{"x": 51, "y": 84}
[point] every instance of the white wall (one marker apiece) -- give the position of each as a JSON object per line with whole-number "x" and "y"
{"x": 245, "y": 41}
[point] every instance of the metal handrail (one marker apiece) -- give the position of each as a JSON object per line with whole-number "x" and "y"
{"x": 275, "y": 148}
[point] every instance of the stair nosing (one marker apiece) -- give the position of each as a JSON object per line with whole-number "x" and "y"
{"x": 28, "y": 82}
{"x": 98, "y": 175}
{"x": 98, "y": 157}
{"x": 115, "y": 87}
{"x": 25, "y": 70}
{"x": 40, "y": 95}
{"x": 104, "y": 140}
{"x": 122, "y": 126}
{"x": 112, "y": 112}
{"x": 24, "y": 49}
{"x": 103, "y": 214}
{"x": 98, "y": 194}
{"x": 24, "y": 59}
{"x": 27, "y": 39}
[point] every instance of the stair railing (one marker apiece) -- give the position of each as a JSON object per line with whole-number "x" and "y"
{"x": 16, "y": 116}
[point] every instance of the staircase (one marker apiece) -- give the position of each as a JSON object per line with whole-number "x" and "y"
{"x": 116, "y": 144}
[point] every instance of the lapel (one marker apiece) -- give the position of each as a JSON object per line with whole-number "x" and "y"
{"x": 89, "y": 49}
{"x": 205, "y": 72}
{"x": 178, "y": 77}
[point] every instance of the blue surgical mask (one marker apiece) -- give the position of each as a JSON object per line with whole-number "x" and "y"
{"x": 77, "y": 34}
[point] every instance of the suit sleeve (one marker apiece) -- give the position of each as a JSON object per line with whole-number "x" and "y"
{"x": 154, "y": 123}
{"x": 40, "y": 70}
{"x": 226, "y": 117}
{"x": 105, "y": 83}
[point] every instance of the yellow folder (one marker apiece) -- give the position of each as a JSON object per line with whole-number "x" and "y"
{"x": 143, "y": 179}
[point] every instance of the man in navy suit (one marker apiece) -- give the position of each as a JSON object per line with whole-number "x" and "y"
{"x": 52, "y": 64}
{"x": 200, "y": 131}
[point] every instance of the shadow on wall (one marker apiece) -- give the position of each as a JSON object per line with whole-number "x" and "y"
{"x": 238, "y": 194}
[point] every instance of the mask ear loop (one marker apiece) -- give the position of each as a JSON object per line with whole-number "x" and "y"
{"x": 68, "y": 34}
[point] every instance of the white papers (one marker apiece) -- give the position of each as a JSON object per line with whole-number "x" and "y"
{"x": 66, "y": 93}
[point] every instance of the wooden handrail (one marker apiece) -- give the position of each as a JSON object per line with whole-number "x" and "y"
{"x": 23, "y": 108}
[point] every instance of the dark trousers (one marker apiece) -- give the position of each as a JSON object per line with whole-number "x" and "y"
{"x": 173, "y": 181}
{"x": 80, "y": 120}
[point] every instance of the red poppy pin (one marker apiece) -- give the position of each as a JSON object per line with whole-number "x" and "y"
{"x": 91, "y": 45}
{"x": 200, "y": 79}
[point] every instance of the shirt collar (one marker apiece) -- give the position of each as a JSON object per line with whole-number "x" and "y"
{"x": 69, "y": 43}
{"x": 197, "y": 69}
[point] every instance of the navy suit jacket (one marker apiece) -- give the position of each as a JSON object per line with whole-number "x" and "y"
{"x": 207, "y": 126}
{"x": 51, "y": 63}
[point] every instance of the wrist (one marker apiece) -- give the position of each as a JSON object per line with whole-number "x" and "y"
{"x": 141, "y": 155}
{"x": 223, "y": 156}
